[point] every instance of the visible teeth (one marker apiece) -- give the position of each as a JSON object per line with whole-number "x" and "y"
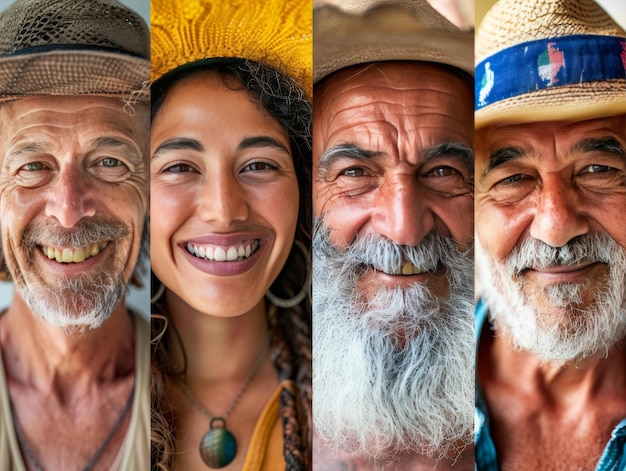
{"x": 407, "y": 268}
{"x": 72, "y": 255}
{"x": 223, "y": 254}
{"x": 219, "y": 254}
{"x": 231, "y": 254}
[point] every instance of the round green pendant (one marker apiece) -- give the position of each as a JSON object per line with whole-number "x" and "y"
{"x": 218, "y": 446}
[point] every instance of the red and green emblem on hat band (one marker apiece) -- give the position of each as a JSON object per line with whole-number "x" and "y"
{"x": 548, "y": 63}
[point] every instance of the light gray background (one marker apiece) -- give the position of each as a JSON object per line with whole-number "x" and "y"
{"x": 139, "y": 299}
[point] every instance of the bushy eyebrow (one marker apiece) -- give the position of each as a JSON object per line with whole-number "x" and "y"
{"x": 343, "y": 151}
{"x": 178, "y": 143}
{"x": 452, "y": 149}
{"x": 608, "y": 145}
{"x": 502, "y": 156}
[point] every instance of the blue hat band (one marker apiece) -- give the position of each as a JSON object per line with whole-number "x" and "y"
{"x": 548, "y": 63}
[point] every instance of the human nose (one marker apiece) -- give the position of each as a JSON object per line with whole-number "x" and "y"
{"x": 222, "y": 201}
{"x": 70, "y": 200}
{"x": 402, "y": 214}
{"x": 558, "y": 216}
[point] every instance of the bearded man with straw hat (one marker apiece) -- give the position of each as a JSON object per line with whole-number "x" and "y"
{"x": 551, "y": 249}
{"x": 392, "y": 263}
{"x": 73, "y": 202}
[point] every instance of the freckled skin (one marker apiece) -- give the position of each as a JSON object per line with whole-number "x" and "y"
{"x": 52, "y": 169}
{"x": 398, "y": 111}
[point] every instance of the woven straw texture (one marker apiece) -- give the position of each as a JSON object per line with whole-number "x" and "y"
{"x": 511, "y": 22}
{"x": 277, "y": 33}
{"x": 62, "y": 47}
{"x": 360, "y": 32}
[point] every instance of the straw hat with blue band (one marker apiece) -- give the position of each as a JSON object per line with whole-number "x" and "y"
{"x": 276, "y": 33}
{"x": 64, "y": 47}
{"x": 549, "y": 60}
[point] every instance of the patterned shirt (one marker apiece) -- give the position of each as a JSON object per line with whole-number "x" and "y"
{"x": 614, "y": 455}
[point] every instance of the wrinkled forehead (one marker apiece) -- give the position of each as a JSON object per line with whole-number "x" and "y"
{"x": 73, "y": 118}
{"x": 560, "y": 135}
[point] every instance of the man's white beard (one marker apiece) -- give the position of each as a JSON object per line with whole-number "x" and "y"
{"x": 394, "y": 374}
{"x": 74, "y": 303}
{"x": 569, "y": 330}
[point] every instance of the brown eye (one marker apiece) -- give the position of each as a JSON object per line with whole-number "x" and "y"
{"x": 354, "y": 172}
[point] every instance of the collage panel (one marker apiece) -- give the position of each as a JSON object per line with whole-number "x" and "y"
{"x": 293, "y": 193}
{"x": 551, "y": 236}
{"x": 230, "y": 177}
{"x": 393, "y": 272}
{"x": 74, "y": 124}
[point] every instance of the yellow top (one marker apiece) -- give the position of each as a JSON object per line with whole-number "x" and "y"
{"x": 277, "y": 33}
{"x": 265, "y": 452}
{"x": 135, "y": 451}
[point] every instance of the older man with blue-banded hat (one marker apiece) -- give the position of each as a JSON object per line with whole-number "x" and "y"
{"x": 551, "y": 249}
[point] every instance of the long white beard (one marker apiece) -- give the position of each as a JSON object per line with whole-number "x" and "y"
{"x": 568, "y": 330}
{"x": 374, "y": 396}
{"x": 74, "y": 303}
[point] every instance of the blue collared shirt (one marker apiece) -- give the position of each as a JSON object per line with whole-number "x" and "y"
{"x": 614, "y": 455}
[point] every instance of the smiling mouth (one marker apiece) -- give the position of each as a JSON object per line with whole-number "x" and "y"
{"x": 218, "y": 253}
{"x": 73, "y": 255}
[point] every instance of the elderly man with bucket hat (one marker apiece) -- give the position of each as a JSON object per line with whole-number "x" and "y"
{"x": 393, "y": 345}
{"x": 73, "y": 202}
{"x": 551, "y": 225}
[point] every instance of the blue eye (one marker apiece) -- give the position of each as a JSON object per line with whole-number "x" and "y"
{"x": 33, "y": 167}
{"x": 111, "y": 162}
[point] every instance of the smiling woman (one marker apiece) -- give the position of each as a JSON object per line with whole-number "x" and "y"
{"x": 230, "y": 176}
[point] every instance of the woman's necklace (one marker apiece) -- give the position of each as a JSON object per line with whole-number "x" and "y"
{"x": 218, "y": 446}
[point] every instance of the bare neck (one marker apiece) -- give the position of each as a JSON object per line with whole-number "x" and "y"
{"x": 216, "y": 348}
{"x": 581, "y": 380}
{"x": 63, "y": 363}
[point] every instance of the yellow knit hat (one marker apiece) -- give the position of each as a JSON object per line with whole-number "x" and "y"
{"x": 277, "y": 33}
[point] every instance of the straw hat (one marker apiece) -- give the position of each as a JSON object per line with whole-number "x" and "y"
{"x": 276, "y": 33}
{"x": 66, "y": 47}
{"x": 363, "y": 31}
{"x": 549, "y": 60}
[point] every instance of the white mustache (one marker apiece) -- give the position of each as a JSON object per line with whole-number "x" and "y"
{"x": 585, "y": 249}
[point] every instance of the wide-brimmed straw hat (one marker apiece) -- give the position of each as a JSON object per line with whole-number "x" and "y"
{"x": 549, "y": 60}
{"x": 276, "y": 33}
{"x": 357, "y": 32}
{"x": 67, "y": 47}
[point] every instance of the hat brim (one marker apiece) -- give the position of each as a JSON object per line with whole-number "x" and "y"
{"x": 99, "y": 73}
{"x": 568, "y": 103}
{"x": 385, "y": 34}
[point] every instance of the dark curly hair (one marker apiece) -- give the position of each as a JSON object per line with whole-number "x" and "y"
{"x": 281, "y": 98}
